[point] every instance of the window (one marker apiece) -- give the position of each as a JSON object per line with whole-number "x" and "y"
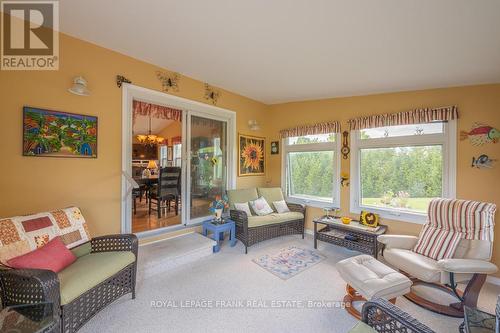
{"x": 163, "y": 156}
{"x": 397, "y": 170}
{"x": 311, "y": 169}
{"x": 177, "y": 152}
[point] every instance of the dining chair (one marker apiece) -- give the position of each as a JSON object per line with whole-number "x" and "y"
{"x": 167, "y": 190}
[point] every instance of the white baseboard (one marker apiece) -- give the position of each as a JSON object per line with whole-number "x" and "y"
{"x": 493, "y": 280}
{"x": 309, "y": 232}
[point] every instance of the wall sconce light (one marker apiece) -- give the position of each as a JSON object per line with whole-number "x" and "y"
{"x": 79, "y": 87}
{"x": 211, "y": 94}
{"x": 253, "y": 125}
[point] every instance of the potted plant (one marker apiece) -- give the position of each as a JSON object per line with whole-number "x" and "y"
{"x": 218, "y": 205}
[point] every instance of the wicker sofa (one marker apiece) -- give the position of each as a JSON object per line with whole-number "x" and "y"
{"x": 254, "y": 229}
{"x": 105, "y": 269}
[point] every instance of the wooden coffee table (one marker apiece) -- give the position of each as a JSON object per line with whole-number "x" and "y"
{"x": 360, "y": 238}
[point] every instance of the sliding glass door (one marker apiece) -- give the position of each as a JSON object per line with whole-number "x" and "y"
{"x": 202, "y": 145}
{"x": 207, "y": 164}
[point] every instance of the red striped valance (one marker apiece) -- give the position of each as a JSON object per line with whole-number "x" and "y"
{"x": 319, "y": 128}
{"x": 156, "y": 111}
{"x": 418, "y": 116}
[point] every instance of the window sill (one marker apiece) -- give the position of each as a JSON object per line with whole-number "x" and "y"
{"x": 393, "y": 214}
{"x": 311, "y": 202}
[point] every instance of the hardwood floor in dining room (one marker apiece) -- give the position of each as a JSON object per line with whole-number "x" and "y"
{"x": 142, "y": 221}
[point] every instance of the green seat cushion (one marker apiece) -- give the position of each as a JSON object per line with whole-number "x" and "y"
{"x": 361, "y": 327}
{"x": 82, "y": 250}
{"x": 90, "y": 270}
{"x": 257, "y": 221}
{"x": 271, "y": 194}
{"x": 241, "y": 196}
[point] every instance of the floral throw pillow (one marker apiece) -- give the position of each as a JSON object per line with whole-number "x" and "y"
{"x": 244, "y": 207}
{"x": 261, "y": 207}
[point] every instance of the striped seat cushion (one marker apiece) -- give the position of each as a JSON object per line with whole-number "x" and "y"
{"x": 437, "y": 243}
{"x": 449, "y": 221}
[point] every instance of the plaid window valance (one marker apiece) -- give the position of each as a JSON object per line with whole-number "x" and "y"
{"x": 418, "y": 116}
{"x": 156, "y": 111}
{"x": 319, "y": 128}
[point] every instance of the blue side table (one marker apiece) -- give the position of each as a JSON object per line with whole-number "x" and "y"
{"x": 218, "y": 232}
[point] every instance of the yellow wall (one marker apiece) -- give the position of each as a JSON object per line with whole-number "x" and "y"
{"x": 31, "y": 184}
{"x": 475, "y": 103}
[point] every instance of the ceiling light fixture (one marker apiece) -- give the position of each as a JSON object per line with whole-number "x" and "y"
{"x": 150, "y": 139}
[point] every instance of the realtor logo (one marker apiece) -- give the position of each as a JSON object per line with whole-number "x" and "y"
{"x": 30, "y": 38}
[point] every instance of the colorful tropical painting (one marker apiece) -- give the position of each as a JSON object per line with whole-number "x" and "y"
{"x": 251, "y": 155}
{"x": 58, "y": 134}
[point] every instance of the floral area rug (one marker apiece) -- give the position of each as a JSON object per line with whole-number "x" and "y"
{"x": 289, "y": 261}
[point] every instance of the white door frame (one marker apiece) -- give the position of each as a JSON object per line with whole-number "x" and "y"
{"x": 131, "y": 92}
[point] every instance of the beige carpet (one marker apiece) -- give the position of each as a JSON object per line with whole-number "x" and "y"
{"x": 227, "y": 292}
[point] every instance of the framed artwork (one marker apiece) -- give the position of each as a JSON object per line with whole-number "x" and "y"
{"x": 275, "y": 147}
{"x": 170, "y": 153}
{"x": 251, "y": 152}
{"x": 58, "y": 134}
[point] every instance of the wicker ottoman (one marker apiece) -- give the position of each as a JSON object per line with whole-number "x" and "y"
{"x": 368, "y": 278}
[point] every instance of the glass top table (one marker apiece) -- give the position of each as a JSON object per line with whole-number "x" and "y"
{"x": 28, "y": 318}
{"x": 477, "y": 321}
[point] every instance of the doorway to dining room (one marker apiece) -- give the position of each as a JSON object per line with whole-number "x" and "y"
{"x": 156, "y": 166}
{"x": 177, "y": 156}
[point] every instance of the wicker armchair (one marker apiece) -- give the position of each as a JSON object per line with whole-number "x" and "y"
{"x": 252, "y": 235}
{"x": 385, "y": 317}
{"x": 28, "y": 286}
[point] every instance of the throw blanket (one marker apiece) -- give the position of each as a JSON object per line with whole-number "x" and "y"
{"x": 22, "y": 234}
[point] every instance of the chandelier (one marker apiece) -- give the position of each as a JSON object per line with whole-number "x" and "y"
{"x": 150, "y": 139}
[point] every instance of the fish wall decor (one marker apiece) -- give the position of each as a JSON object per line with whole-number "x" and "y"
{"x": 481, "y": 134}
{"x": 483, "y": 161}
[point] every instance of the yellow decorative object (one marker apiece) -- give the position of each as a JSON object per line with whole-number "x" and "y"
{"x": 369, "y": 219}
{"x": 346, "y": 220}
{"x": 344, "y": 179}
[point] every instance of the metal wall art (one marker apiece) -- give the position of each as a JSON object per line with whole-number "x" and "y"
{"x": 169, "y": 81}
{"x": 121, "y": 79}
{"x": 483, "y": 161}
{"x": 481, "y": 134}
{"x": 211, "y": 94}
{"x": 344, "y": 179}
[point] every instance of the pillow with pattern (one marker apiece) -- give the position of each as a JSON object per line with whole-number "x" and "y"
{"x": 261, "y": 207}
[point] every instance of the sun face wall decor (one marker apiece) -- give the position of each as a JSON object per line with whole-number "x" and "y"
{"x": 251, "y": 152}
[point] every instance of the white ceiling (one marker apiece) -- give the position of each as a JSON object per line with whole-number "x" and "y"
{"x": 141, "y": 125}
{"x": 286, "y": 50}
